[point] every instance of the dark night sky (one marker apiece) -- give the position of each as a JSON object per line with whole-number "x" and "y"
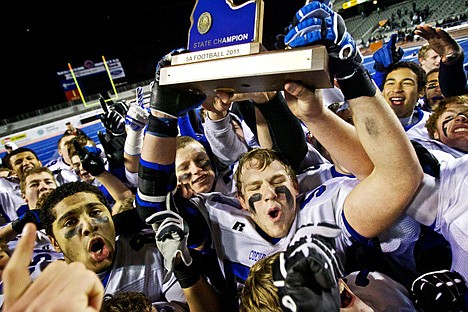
{"x": 41, "y": 38}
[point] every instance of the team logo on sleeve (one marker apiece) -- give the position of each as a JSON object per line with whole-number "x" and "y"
{"x": 238, "y": 226}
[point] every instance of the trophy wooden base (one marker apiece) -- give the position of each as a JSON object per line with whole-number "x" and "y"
{"x": 263, "y": 71}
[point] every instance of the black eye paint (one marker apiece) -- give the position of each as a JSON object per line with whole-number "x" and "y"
{"x": 283, "y": 189}
{"x": 444, "y": 123}
{"x": 73, "y": 232}
{"x": 79, "y": 228}
{"x": 102, "y": 220}
{"x": 254, "y": 198}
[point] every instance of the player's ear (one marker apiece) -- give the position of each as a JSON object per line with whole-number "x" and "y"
{"x": 242, "y": 202}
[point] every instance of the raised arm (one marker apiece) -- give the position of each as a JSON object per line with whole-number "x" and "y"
{"x": 273, "y": 107}
{"x": 379, "y": 199}
{"x": 157, "y": 184}
{"x": 452, "y": 76}
{"x": 219, "y": 131}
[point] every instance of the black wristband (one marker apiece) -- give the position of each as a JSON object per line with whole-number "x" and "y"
{"x": 162, "y": 127}
{"x": 17, "y": 225}
{"x": 359, "y": 84}
{"x": 186, "y": 275}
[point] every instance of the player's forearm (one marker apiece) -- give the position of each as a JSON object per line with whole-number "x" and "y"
{"x": 202, "y": 297}
{"x": 341, "y": 140}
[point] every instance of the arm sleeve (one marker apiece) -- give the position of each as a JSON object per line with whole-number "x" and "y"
{"x": 224, "y": 142}
{"x": 291, "y": 143}
{"x": 379, "y": 78}
{"x": 452, "y": 78}
{"x": 185, "y": 126}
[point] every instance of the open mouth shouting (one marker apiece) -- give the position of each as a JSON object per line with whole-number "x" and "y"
{"x": 347, "y": 299}
{"x": 274, "y": 213}
{"x": 98, "y": 249}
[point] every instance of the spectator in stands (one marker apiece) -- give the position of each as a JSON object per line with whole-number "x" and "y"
{"x": 428, "y": 58}
{"x": 72, "y": 130}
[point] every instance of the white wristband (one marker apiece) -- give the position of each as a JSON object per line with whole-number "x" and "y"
{"x": 134, "y": 142}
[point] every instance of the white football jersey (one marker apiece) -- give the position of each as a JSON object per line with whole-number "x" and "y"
{"x": 239, "y": 244}
{"x": 10, "y": 199}
{"x": 62, "y": 171}
{"x": 139, "y": 266}
{"x": 417, "y": 127}
{"x": 443, "y": 204}
{"x": 434, "y": 145}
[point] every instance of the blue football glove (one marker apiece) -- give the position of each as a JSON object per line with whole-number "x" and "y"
{"x": 316, "y": 23}
{"x": 112, "y": 119}
{"x": 91, "y": 159}
{"x": 30, "y": 216}
{"x": 439, "y": 291}
{"x": 307, "y": 274}
{"x": 387, "y": 55}
{"x": 171, "y": 101}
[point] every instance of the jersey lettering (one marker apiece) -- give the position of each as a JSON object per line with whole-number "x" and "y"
{"x": 255, "y": 255}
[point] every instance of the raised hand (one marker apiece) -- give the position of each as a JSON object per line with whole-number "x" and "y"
{"x": 91, "y": 159}
{"x": 440, "y": 41}
{"x": 113, "y": 148}
{"x": 171, "y": 238}
{"x": 30, "y": 216}
{"x": 302, "y": 102}
{"x": 170, "y": 101}
{"x": 137, "y": 115}
{"x": 307, "y": 274}
{"x": 112, "y": 120}
{"x": 387, "y": 55}
{"x": 316, "y": 23}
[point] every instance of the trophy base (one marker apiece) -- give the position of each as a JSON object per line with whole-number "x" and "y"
{"x": 260, "y": 72}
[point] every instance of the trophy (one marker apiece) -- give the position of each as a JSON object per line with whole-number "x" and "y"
{"x": 226, "y": 53}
